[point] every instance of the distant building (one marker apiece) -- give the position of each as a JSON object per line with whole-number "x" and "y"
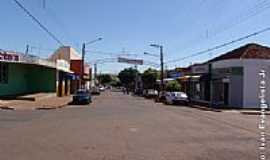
{"x": 70, "y": 55}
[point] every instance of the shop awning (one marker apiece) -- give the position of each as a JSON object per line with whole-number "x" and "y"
{"x": 166, "y": 80}
{"x": 72, "y": 76}
{"x": 190, "y": 78}
{"x": 201, "y": 77}
{"x": 184, "y": 78}
{"x": 196, "y": 78}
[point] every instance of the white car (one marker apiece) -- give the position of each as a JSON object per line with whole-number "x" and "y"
{"x": 176, "y": 97}
{"x": 150, "y": 93}
{"x": 101, "y": 88}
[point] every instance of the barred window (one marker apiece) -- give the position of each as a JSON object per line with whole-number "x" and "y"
{"x": 3, "y": 73}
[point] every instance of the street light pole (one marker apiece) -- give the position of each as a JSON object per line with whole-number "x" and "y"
{"x": 162, "y": 69}
{"x": 161, "y": 66}
{"x": 83, "y": 57}
{"x": 82, "y": 65}
{"x": 95, "y": 73}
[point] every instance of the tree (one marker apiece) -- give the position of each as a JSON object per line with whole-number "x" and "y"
{"x": 115, "y": 81}
{"x": 149, "y": 78}
{"x": 127, "y": 77}
{"x": 105, "y": 78}
{"x": 173, "y": 86}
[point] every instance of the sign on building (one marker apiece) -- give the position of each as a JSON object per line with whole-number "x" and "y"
{"x": 174, "y": 74}
{"x": 130, "y": 61}
{"x": 63, "y": 65}
{"x": 197, "y": 69}
{"x": 9, "y": 57}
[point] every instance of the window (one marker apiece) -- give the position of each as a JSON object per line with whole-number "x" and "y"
{"x": 3, "y": 73}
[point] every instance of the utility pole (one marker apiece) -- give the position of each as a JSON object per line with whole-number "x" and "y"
{"x": 136, "y": 80}
{"x": 99, "y": 79}
{"x": 83, "y": 56}
{"x": 27, "y": 49}
{"x": 82, "y": 65}
{"x": 161, "y": 56}
{"x": 162, "y": 69}
{"x": 95, "y": 73}
{"x": 44, "y": 4}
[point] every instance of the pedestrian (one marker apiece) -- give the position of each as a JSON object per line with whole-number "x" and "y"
{"x": 124, "y": 90}
{"x": 127, "y": 91}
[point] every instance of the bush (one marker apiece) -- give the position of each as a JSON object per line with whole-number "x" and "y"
{"x": 173, "y": 86}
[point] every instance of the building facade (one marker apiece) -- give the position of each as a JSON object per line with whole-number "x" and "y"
{"x": 80, "y": 79}
{"x": 25, "y": 74}
{"x": 230, "y": 80}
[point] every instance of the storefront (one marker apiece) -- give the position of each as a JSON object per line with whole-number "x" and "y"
{"x": 235, "y": 78}
{"x": 228, "y": 84}
{"x": 64, "y": 77}
{"x": 80, "y": 79}
{"x": 21, "y": 74}
{"x": 199, "y": 83}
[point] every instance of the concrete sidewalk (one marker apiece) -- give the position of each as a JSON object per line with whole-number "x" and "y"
{"x": 44, "y": 101}
{"x": 242, "y": 111}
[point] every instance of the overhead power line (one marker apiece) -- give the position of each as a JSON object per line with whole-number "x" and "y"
{"x": 221, "y": 46}
{"x": 39, "y": 23}
{"x": 259, "y": 7}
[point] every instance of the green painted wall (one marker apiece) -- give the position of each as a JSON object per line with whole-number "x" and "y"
{"x": 17, "y": 82}
{"x": 24, "y": 78}
{"x": 41, "y": 79}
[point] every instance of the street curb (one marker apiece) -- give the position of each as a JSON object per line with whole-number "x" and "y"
{"x": 38, "y": 108}
{"x": 51, "y": 108}
{"x": 254, "y": 113}
{"x": 205, "y": 108}
{"x": 6, "y": 108}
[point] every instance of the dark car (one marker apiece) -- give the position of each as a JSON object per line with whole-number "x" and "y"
{"x": 82, "y": 96}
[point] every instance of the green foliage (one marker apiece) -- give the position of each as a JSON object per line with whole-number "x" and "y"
{"x": 105, "y": 78}
{"x": 149, "y": 78}
{"x": 127, "y": 77}
{"x": 173, "y": 86}
{"x": 115, "y": 83}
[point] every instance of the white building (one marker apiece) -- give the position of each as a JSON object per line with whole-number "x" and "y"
{"x": 235, "y": 76}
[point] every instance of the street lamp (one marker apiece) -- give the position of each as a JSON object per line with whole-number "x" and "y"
{"x": 83, "y": 55}
{"x": 150, "y": 54}
{"x": 160, "y": 47}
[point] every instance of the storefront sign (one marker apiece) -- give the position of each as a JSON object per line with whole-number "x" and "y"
{"x": 63, "y": 65}
{"x": 200, "y": 69}
{"x": 9, "y": 57}
{"x": 223, "y": 71}
{"x": 174, "y": 74}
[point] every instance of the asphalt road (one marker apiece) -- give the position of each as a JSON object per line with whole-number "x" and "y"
{"x": 122, "y": 127}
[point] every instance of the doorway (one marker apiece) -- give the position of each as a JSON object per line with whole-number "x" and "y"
{"x": 226, "y": 93}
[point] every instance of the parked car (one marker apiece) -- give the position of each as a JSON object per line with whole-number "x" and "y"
{"x": 95, "y": 91}
{"x": 150, "y": 93}
{"x": 101, "y": 89}
{"x": 82, "y": 96}
{"x": 176, "y": 97}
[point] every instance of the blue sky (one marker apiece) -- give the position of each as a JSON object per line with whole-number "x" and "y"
{"x": 183, "y": 27}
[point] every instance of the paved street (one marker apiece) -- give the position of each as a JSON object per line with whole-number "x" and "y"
{"x": 122, "y": 127}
